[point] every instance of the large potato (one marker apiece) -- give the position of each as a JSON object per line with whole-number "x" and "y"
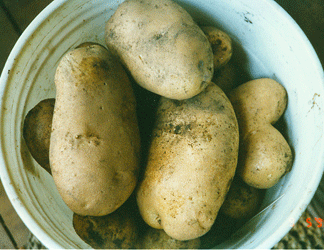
{"x": 95, "y": 143}
{"x": 191, "y": 163}
{"x": 162, "y": 47}
{"x": 265, "y": 155}
{"x": 37, "y": 131}
{"x": 116, "y": 230}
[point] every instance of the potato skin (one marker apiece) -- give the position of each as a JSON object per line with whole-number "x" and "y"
{"x": 265, "y": 156}
{"x": 95, "y": 143}
{"x": 37, "y": 131}
{"x": 221, "y": 44}
{"x": 163, "y": 48}
{"x": 191, "y": 163}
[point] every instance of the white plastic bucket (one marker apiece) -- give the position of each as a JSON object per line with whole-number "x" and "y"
{"x": 268, "y": 43}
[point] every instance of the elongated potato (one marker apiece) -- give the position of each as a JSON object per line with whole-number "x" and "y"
{"x": 162, "y": 47}
{"x": 191, "y": 163}
{"x": 95, "y": 144}
{"x": 265, "y": 155}
{"x": 115, "y": 230}
{"x": 37, "y": 131}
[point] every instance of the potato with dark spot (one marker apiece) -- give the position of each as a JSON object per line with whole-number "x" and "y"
{"x": 163, "y": 48}
{"x": 265, "y": 156}
{"x": 191, "y": 162}
{"x": 221, "y": 44}
{"x": 95, "y": 142}
{"x": 37, "y": 131}
{"x": 117, "y": 230}
{"x": 158, "y": 239}
{"x": 242, "y": 201}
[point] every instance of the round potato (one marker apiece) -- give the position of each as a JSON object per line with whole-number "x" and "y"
{"x": 158, "y": 239}
{"x": 221, "y": 44}
{"x": 117, "y": 230}
{"x": 229, "y": 77}
{"x": 221, "y": 230}
{"x": 265, "y": 156}
{"x": 95, "y": 142}
{"x": 191, "y": 163}
{"x": 163, "y": 48}
{"x": 37, "y": 131}
{"x": 242, "y": 201}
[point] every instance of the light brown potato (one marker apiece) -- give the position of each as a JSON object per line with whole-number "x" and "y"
{"x": 116, "y": 230}
{"x": 37, "y": 131}
{"x": 191, "y": 163}
{"x": 221, "y": 44}
{"x": 158, "y": 239}
{"x": 95, "y": 143}
{"x": 162, "y": 47}
{"x": 242, "y": 201}
{"x": 265, "y": 156}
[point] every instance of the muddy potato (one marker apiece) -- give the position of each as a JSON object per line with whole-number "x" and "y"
{"x": 37, "y": 130}
{"x": 158, "y": 239}
{"x": 191, "y": 163}
{"x": 221, "y": 44}
{"x": 112, "y": 231}
{"x": 94, "y": 144}
{"x": 225, "y": 78}
{"x": 162, "y": 47}
{"x": 229, "y": 77}
{"x": 265, "y": 156}
{"x": 242, "y": 201}
{"x": 117, "y": 230}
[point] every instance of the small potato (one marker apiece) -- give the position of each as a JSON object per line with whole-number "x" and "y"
{"x": 265, "y": 156}
{"x": 37, "y": 131}
{"x": 95, "y": 142}
{"x": 191, "y": 163}
{"x": 221, "y": 230}
{"x": 229, "y": 77}
{"x": 163, "y": 48}
{"x": 117, "y": 230}
{"x": 158, "y": 239}
{"x": 242, "y": 201}
{"x": 221, "y": 44}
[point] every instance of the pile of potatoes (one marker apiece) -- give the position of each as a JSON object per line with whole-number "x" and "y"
{"x": 152, "y": 139}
